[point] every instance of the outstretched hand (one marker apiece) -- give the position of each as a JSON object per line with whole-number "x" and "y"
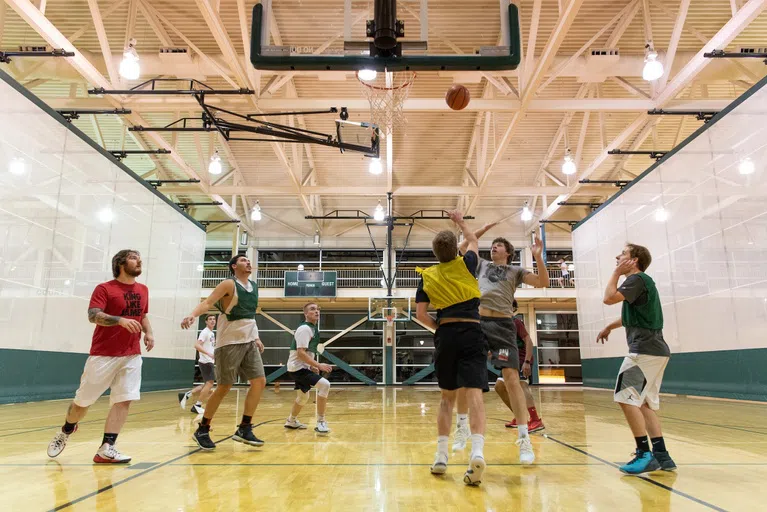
{"x": 456, "y": 216}
{"x": 537, "y": 248}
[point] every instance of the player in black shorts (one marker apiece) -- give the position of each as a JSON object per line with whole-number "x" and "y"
{"x": 460, "y": 357}
{"x": 305, "y": 370}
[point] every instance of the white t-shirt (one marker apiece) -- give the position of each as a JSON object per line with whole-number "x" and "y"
{"x": 208, "y": 339}
{"x": 303, "y": 336}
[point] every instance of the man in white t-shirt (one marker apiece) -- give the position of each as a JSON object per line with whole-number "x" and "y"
{"x": 305, "y": 370}
{"x": 205, "y": 345}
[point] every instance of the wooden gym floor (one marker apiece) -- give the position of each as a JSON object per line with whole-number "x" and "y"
{"x": 378, "y": 454}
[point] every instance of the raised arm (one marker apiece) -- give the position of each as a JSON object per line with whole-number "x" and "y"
{"x": 540, "y": 280}
{"x": 223, "y": 289}
{"x": 470, "y": 238}
{"x": 478, "y": 233}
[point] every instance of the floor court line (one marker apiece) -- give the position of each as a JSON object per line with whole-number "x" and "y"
{"x": 144, "y": 472}
{"x": 644, "y": 478}
{"x": 130, "y": 414}
{"x": 672, "y": 418}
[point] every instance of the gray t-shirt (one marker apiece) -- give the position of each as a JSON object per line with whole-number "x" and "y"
{"x": 641, "y": 340}
{"x": 498, "y": 284}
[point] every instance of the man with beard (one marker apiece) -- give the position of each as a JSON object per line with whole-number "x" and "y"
{"x": 118, "y": 308}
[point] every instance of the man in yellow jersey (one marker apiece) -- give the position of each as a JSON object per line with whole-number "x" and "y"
{"x": 460, "y": 357}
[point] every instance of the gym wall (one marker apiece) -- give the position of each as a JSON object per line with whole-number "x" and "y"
{"x": 709, "y": 258}
{"x": 56, "y": 245}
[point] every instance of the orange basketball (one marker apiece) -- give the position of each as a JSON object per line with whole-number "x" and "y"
{"x": 457, "y": 97}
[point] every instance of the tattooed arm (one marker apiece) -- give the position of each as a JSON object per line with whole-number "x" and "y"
{"x": 98, "y": 317}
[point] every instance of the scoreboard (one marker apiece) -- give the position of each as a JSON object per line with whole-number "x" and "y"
{"x": 310, "y": 284}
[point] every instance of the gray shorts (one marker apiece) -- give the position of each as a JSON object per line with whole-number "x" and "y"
{"x": 501, "y": 335}
{"x": 243, "y": 359}
{"x": 208, "y": 371}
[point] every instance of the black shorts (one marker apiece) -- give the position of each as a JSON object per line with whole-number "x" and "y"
{"x": 208, "y": 371}
{"x": 305, "y": 379}
{"x": 501, "y": 335}
{"x": 460, "y": 358}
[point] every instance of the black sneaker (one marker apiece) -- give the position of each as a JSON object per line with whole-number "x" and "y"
{"x": 665, "y": 461}
{"x": 245, "y": 435}
{"x": 202, "y": 437}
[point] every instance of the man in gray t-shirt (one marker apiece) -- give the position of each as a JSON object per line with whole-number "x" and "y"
{"x": 498, "y": 280}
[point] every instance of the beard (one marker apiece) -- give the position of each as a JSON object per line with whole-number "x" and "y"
{"x": 133, "y": 272}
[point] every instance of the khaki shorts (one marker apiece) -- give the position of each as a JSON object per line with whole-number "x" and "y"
{"x": 243, "y": 359}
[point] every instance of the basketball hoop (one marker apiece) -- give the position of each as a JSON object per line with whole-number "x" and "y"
{"x": 387, "y": 94}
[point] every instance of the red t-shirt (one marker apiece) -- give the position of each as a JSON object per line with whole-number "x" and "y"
{"x": 521, "y": 335}
{"x": 118, "y": 299}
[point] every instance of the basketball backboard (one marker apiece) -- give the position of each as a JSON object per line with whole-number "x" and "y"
{"x": 397, "y": 308}
{"x": 382, "y": 46}
{"x": 357, "y": 136}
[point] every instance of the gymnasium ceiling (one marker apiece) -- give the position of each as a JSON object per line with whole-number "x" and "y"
{"x": 489, "y": 159}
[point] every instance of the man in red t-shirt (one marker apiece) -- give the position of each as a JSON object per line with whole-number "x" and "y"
{"x": 118, "y": 308}
{"x": 525, "y": 347}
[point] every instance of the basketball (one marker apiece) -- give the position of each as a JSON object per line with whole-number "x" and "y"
{"x": 457, "y": 97}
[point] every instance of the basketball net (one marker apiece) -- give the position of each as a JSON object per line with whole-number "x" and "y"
{"x": 387, "y": 94}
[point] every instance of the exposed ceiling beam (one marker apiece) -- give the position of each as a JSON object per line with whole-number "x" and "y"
{"x": 101, "y": 32}
{"x": 379, "y": 191}
{"x": 166, "y": 104}
{"x": 676, "y": 34}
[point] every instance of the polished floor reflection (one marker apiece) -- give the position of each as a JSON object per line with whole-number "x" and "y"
{"x": 378, "y": 456}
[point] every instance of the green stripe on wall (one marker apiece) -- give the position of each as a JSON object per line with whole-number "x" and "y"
{"x": 724, "y": 374}
{"x": 31, "y": 375}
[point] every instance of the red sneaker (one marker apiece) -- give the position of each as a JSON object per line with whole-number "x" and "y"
{"x": 535, "y": 425}
{"x": 512, "y": 423}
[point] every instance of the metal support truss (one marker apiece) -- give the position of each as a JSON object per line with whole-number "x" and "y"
{"x": 571, "y": 223}
{"x": 700, "y": 115}
{"x": 5, "y": 57}
{"x": 123, "y": 153}
{"x": 186, "y": 205}
{"x": 211, "y": 120}
{"x": 657, "y": 155}
{"x": 228, "y": 221}
{"x": 150, "y": 88}
{"x": 591, "y": 205}
{"x": 617, "y": 183}
{"x": 70, "y": 113}
{"x": 721, "y": 54}
{"x": 160, "y": 183}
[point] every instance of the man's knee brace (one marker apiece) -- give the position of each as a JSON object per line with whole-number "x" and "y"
{"x": 323, "y": 387}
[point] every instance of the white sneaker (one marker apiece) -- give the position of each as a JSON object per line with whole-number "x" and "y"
{"x": 197, "y": 409}
{"x": 108, "y": 454}
{"x": 294, "y": 424}
{"x": 182, "y": 399}
{"x": 440, "y": 464}
{"x": 473, "y": 475}
{"x": 59, "y": 443}
{"x": 526, "y": 455}
{"x": 322, "y": 427}
{"x": 461, "y": 436}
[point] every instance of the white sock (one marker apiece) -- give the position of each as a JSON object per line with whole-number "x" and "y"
{"x": 292, "y": 418}
{"x": 522, "y": 430}
{"x": 462, "y": 420}
{"x": 320, "y": 418}
{"x": 442, "y": 445}
{"x": 477, "y": 445}
{"x": 198, "y": 404}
